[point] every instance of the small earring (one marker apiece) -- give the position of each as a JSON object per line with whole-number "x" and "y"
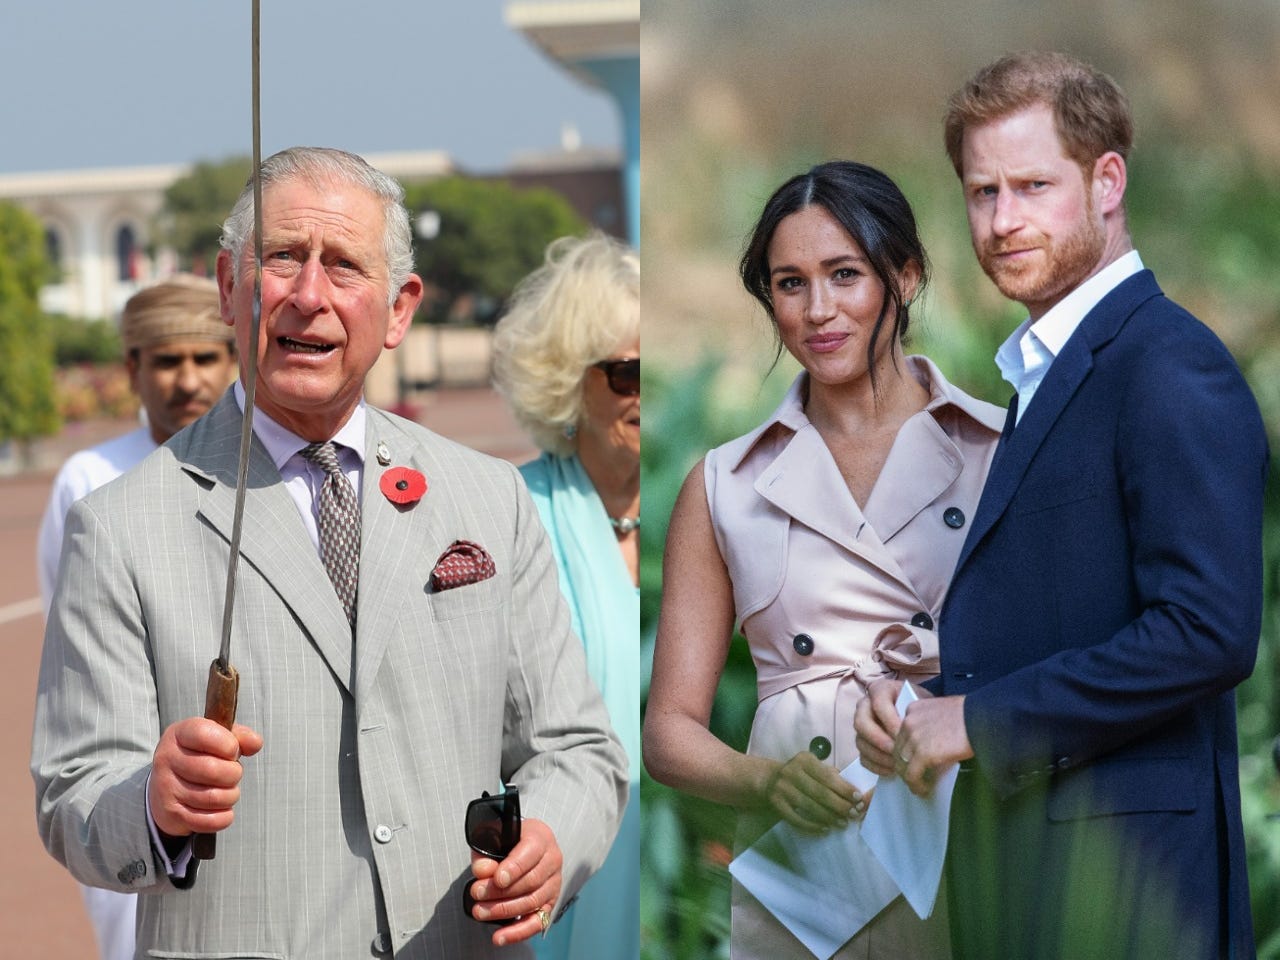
{"x": 906, "y": 303}
{"x": 570, "y": 431}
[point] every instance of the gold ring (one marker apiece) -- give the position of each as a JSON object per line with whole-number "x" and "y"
{"x": 545, "y": 919}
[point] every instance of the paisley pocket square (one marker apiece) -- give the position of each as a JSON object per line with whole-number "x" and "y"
{"x": 463, "y": 563}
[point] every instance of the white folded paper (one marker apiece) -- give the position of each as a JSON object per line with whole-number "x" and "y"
{"x": 908, "y": 834}
{"x": 825, "y": 889}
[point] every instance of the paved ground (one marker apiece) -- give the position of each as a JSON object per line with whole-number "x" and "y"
{"x": 40, "y": 910}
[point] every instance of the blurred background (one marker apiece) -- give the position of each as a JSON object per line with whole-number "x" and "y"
{"x": 738, "y": 95}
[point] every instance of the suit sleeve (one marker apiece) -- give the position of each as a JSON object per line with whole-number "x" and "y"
{"x": 557, "y": 740}
{"x": 96, "y": 722}
{"x": 1190, "y": 459}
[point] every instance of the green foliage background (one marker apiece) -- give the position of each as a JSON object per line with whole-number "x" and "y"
{"x": 27, "y": 406}
{"x": 736, "y": 105}
{"x": 491, "y": 236}
{"x": 84, "y": 341}
{"x": 195, "y": 206}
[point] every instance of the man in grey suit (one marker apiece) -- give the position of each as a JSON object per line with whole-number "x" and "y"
{"x": 381, "y": 700}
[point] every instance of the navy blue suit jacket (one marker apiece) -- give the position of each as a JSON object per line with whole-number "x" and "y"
{"x": 1107, "y": 601}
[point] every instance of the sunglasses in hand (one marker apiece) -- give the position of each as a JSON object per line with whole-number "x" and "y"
{"x": 623, "y": 375}
{"x": 492, "y": 828}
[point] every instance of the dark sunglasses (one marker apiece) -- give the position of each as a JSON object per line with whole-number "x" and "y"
{"x": 623, "y": 375}
{"x": 492, "y": 828}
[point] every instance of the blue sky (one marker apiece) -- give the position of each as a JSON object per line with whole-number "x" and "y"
{"x": 102, "y": 84}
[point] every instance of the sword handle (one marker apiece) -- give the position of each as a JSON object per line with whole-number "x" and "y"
{"x": 220, "y": 698}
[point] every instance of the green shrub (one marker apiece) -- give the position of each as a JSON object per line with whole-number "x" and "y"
{"x": 84, "y": 341}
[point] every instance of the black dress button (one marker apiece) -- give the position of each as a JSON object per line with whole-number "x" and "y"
{"x": 953, "y": 517}
{"x": 803, "y": 644}
{"x": 922, "y": 620}
{"x": 820, "y": 747}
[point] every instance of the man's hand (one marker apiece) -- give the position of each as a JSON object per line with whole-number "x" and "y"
{"x": 876, "y": 722}
{"x": 195, "y": 775}
{"x": 518, "y": 886}
{"x": 931, "y": 738}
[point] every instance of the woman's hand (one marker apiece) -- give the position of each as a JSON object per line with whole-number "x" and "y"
{"x": 812, "y": 797}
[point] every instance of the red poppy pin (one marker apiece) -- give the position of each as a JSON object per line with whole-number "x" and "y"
{"x": 402, "y": 486}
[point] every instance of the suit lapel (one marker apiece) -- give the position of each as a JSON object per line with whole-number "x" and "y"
{"x": 922, "y": 463}
{"x": 1068, "y": 371}
{"x": 804, "y": 482}
{"x": 273, "y": 539}
{"x": 393, "y": 539}
{"x": 1066, "y": 374}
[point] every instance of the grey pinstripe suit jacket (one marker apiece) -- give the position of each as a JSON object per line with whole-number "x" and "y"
{"x": 349, "y": 827}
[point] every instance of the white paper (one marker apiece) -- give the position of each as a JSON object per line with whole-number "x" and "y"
{"x": 823, "y": 889}
{"x": 908, "y": 834}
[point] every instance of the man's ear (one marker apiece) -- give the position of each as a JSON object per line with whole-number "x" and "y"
{"x": 402, "y": 310}
{"x": 226, "y": 287}
{"x": 132, "y": 366}
{"x": 1110, "y": 177}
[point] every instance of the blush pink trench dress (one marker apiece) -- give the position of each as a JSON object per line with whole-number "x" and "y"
{"x": 831, "y": 596}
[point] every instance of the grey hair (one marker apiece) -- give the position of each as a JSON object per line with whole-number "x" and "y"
{"x": 326, "y": 164}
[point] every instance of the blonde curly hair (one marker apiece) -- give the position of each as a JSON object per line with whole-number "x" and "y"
{"x": 576, "y": 309}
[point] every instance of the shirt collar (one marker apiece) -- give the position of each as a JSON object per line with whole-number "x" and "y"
{"x": 282, "y": 444}
{"x": 1055, "y": 328}
{"x": 790, "y": 414}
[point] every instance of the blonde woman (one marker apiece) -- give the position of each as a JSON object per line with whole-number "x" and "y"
{"x": 567, "y": 359}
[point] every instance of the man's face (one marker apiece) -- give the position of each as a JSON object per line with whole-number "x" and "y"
{"x": 179, "y": 381}
{"x": 325, "y": 317}
{"x": 1033, "y": 218}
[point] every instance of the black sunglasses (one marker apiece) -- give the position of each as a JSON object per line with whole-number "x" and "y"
{"x": 492, "y": 828}
{"x": 623, "y": 375}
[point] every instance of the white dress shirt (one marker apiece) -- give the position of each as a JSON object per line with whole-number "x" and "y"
{"x": 1024, "y": 358}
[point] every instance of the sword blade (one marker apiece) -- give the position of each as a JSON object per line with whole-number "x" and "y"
{"x": 251, "y": 361}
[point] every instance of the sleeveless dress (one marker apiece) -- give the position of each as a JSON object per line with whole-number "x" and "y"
{"x": 831, "y": 596}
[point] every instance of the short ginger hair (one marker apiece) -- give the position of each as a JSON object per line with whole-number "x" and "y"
{"x": 1090, "y": 110}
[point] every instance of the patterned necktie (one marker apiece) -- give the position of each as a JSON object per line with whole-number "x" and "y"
{"x": 339, "y": 525}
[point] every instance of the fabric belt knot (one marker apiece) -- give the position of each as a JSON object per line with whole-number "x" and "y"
{"x": 339, "y": 525}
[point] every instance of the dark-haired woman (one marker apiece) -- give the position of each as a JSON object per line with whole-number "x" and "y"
{"x": 828, "y": 534}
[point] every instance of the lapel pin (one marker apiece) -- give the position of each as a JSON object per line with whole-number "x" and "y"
{"x": 383, "y": 454}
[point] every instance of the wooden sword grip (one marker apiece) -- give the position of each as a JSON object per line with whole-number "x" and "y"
{"x": 220, "y": 698}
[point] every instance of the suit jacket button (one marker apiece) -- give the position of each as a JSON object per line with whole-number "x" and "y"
{"x": 382, "y": 833}
{"x": 820, "y": 747}
{"x": 803, "y": 644}
{"x": 922, "y": 620}
{"x": 953, "y": 517}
